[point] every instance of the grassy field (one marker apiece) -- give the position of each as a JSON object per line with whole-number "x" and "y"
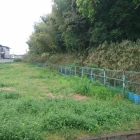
{"x": 39, "y": 104}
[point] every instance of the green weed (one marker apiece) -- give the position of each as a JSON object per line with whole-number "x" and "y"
{"x": 81, "y": 85}
{"x": 29, "y": 118}
{"x": 2, "y": 84}
{"x": 85, "y": 87}
{"x": 27, "y": 113}
{"x": 9, "y": 95}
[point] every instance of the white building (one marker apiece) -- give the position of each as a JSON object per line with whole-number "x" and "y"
{"x": 14, "y": 56}
{"x": 4, "y": 52}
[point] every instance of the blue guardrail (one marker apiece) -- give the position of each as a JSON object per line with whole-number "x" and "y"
{"x": 127, "y": 82}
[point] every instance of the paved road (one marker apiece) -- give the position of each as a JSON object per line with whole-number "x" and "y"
{"x": 6, "y": 60}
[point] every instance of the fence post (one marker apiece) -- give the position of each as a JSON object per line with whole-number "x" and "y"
{"x": 91, "y": 73}
{"x": 94, "y": 75}
{"x": 61, "y": 69}
{"x": 70, "y": 71}
{"x": 104, "y": 77}
{"x": 123, "y": 80}
{"x": 65, "y": 70}
{"x": 82, "y": 71}
{"x": 75, "y": 71}
{"x": 114, "y": 83}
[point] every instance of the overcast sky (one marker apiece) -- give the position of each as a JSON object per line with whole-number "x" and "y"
{"x": 17, "y": 18}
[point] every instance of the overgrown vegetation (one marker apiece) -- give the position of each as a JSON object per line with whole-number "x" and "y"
{"x": 27, "y": 111}
{"x": 18, "y": 60}
{"x": 66, "y": 30}
{"x": 119, "y": 56}
{"x": 85, "y": 87}
{"x": 79, "y": 27}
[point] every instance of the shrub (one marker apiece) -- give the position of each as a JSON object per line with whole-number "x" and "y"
{"x": 125, "y": 56}
{"x": 18, "y": 60}
{"x": 82, "y": 85}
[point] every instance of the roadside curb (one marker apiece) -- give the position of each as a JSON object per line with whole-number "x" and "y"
{"x": 132, "y": 135}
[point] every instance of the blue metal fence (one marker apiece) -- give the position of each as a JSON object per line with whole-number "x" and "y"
{"x": 127, "y": 82}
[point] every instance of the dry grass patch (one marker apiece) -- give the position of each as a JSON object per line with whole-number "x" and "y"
{"x": 50, "y": 95}
{"x": 79, "y": 97}
{"x": 8, "y": 89}
{"x": 16, "y": 64}
{"x": 74, "y": 96}
{"x": 67, "y": 135}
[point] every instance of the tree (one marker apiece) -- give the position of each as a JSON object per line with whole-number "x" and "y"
{"x": 72, "y": 26}
{"x": 77, "y": 25}
{"x": 42, "y": 40}
{"x": 86, "y": 7}
{"x": 115, "y": 20}
{"x": 137, "y": 2}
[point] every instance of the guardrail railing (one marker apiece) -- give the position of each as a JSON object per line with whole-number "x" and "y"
{"x": 127, "y": 82}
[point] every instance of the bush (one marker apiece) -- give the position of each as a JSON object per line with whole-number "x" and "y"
{"x": 82, "y": 85}
{"x": 125, "y": 56}
{"x": 85, "y": 87}
{"x": 18, "y": 60}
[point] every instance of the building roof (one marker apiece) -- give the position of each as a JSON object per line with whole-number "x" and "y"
{"x": 4, "y": 46}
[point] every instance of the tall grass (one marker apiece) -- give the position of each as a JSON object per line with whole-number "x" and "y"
{"x": 26, "y": 113}
{"x": 93, "y": 89}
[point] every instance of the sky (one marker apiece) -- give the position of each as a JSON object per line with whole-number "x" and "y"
{"x": 17, "y": 18}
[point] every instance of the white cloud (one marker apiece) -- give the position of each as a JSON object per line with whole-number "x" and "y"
{"x": 17, "y": 18}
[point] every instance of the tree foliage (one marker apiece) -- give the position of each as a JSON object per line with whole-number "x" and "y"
{"x": 116, "y": 20}
{"x": 64, "y": 30}
{"x": 76, "y": 26}
{"x": 136, "y": 2}
{"x": 86, "y": 7}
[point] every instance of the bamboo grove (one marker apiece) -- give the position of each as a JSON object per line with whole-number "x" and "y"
{"x": 78, "y": 26}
